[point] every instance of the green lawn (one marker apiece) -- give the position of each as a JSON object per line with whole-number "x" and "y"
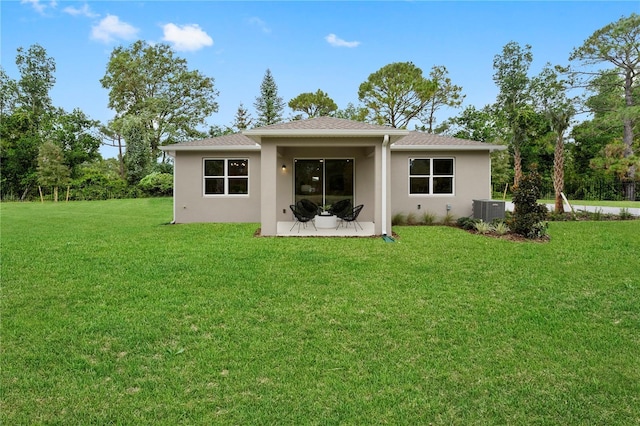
{"x": 110, "y": 316}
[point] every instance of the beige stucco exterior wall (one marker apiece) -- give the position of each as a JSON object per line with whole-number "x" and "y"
{"x": 472, "y": 182}
{"x": 271, "y": 187}
{"x": 190, "y": 203}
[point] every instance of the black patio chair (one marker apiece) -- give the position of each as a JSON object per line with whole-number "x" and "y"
{"x": 302, "y": 217}
{"x": 352, "y": 216}
{"x": 341, "y": 208}
{"x": 308, "y": 206}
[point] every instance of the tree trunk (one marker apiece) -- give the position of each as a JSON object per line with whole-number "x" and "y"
{"x": 24, "y": 194}
{"x": 629, "y": 190}
{"x": 55, "y": 194}
{"x": 517, "y": 165}
{"x": 41, "y": 196}
{"x": 120, "y": 157}
{"x": 558, "y": 173}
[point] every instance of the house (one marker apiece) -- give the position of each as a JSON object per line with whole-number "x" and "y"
{"x": 254, "y": 176}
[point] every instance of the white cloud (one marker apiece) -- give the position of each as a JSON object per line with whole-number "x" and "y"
{"x": 257, "y": 22}
{"x": 39, "y": 6}
{"x": 80, "y": 11}
{"x": 335, "y": 41}
{"x": 111, "y": 28}
{"x": 187, "y": 37}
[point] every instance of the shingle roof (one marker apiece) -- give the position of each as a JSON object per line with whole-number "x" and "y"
{"x": 419, "y": 139}
{"x": 235, "y": 139}
{"x": 324, "y": 125}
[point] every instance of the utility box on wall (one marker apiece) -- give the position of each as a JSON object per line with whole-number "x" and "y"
{"x": 488, "y": 210}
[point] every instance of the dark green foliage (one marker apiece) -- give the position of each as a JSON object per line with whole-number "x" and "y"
{"x": 137, "y": 158}
{"x": 74, "y": 133}
{"x": 269, "y": 105}
{"x": 396, "y": 94}
{"x": 157, "y": 184}
{"x": 528, "y": 217}
{"x": 467, "y": 223}
{"x": 316, "y": 104}
{"x": 151, "y": 83}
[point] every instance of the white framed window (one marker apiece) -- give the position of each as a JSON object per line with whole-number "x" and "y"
{"x": 431, "y": 176}
{"x": 226, "y": 176}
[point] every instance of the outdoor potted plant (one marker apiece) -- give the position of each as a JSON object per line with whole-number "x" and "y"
{"x": 325, "y": 210}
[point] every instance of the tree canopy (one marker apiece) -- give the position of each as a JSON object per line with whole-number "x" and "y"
{"x": 316, "y": 104}
{"x": 446, "y": 94}
{"x": 511, "y": 67}
{"x": 618, "y": 43}
{"x": 396, "y": 93}
{"x": 151, "y": 83}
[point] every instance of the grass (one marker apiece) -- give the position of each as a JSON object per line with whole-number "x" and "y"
{"x": 109, "y": 316}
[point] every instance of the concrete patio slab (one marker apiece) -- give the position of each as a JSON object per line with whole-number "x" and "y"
{"x": 345, "y": 230}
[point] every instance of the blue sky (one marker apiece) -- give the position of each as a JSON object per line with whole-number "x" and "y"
{"x": 329, "y": 45}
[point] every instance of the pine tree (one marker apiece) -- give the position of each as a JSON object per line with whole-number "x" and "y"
{"x": 269, "y": 105}
{"x": 243, "y": 119}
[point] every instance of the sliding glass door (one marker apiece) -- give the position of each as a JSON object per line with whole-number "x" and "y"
{"x": 324, "y": 181}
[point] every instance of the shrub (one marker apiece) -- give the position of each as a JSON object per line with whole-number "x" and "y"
{"x": 412, "y": 219}
{"x": 624, "y": 214}
{"x": 483, "y": 227}
{"x": 528, "y": 216}
{"x": 157, "y": 184}
{"x": 448, "y": 219}
{"x": 501, "y": 228}
{"x": 428, "y": 218}
{"x": 399, "y": 219}
{"x": 467, "y": 223}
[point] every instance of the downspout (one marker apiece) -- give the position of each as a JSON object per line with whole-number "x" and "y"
{"x": 385, "y": 143}
{"x": 173, "y": 222}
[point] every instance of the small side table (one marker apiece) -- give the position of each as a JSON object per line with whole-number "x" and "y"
{"x": 326, "y": 221}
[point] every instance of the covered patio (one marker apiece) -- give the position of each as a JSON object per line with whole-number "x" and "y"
{"x": 290, "y": 229}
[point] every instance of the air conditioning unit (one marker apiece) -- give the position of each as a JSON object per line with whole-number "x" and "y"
{"x": 488, "y": 210}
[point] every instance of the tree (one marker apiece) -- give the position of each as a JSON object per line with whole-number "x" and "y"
{"x": 269, "y": 105}
{"x": 618, "y": 43}
{"x": 74, "y": 134}
{"x": 511, "y": 68}
{"x": 149, "y": 82}
{"x": 215, "y": 131}
{"x": 36, "y": 80}
{"x": 25, "y": 116}
{"x": 51, "y": 168}
{"x": 316, "y": 104}
{"x": 396, "y": 93}
{"x": 446, "y": 95}
{"x": 8, "y": 94}
{"x": 351, "y": 112}
{"x": 591, "y": 137}
{"x": 550, "y": 92}
{"x": 111, "y": 135}
{"x": 242, "y": 118}
{"x": 137, "y": 160}
{"x": 482, "y": 125}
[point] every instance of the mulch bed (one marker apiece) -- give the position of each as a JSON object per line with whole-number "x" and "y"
{"x": 511, "y": 237}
